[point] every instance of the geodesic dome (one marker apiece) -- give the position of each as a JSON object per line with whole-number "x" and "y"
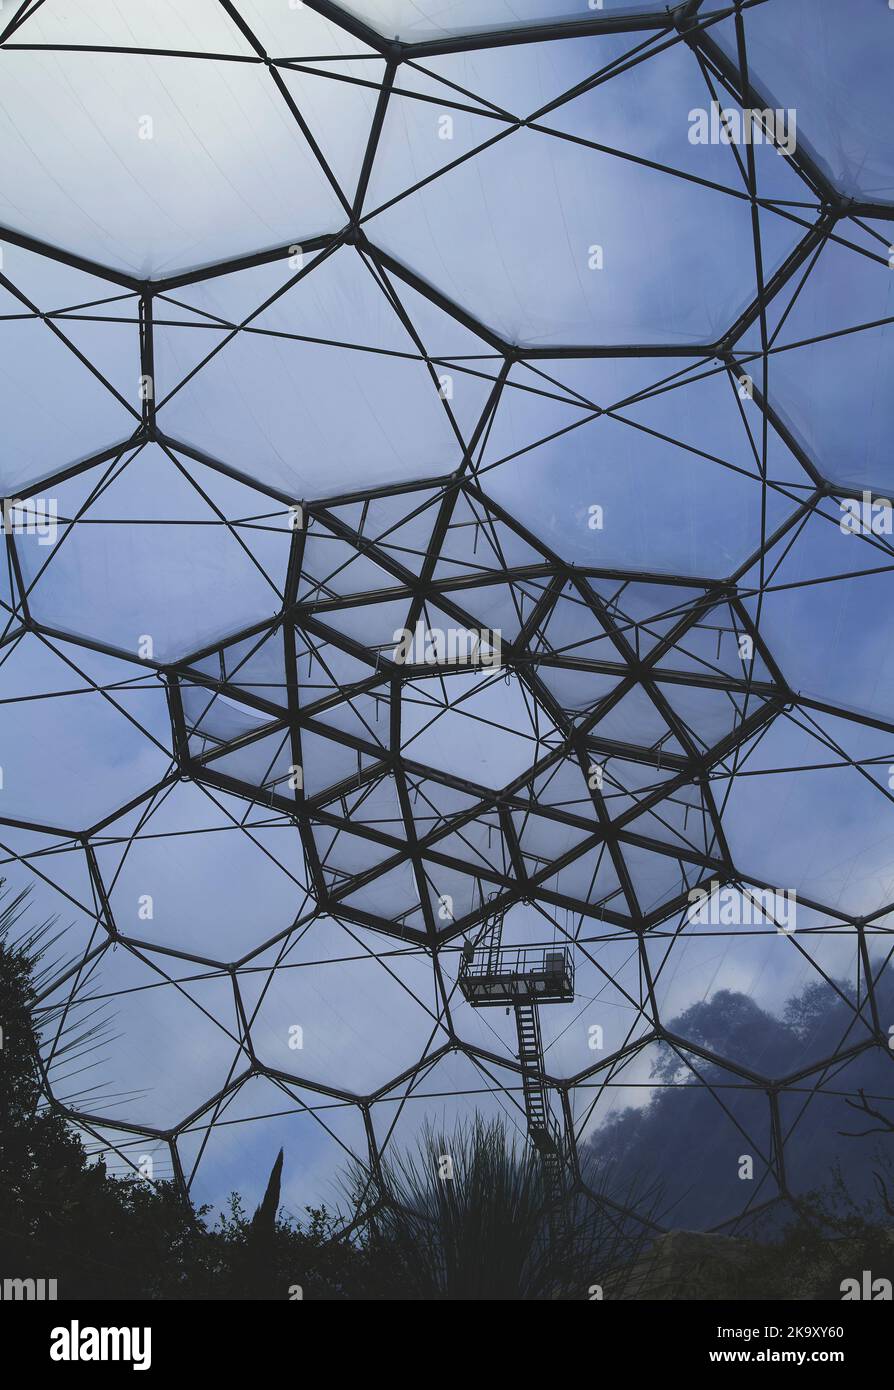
{"x": 506, "y": 327}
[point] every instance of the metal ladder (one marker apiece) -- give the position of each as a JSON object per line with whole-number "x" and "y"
{"x": 543, "y": 1127}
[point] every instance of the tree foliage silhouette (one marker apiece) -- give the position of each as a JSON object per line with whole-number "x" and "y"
{"x": 64, "y": 1217}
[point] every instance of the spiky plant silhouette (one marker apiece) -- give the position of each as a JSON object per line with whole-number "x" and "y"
{"x": 467, "y": 1216}
{"x": 59, "y": 1046}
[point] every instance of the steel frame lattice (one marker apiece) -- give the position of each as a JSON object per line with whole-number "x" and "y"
{"x": 475, "y": 547}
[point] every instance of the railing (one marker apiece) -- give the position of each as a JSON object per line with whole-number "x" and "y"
{"x": 518, "y": 971}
